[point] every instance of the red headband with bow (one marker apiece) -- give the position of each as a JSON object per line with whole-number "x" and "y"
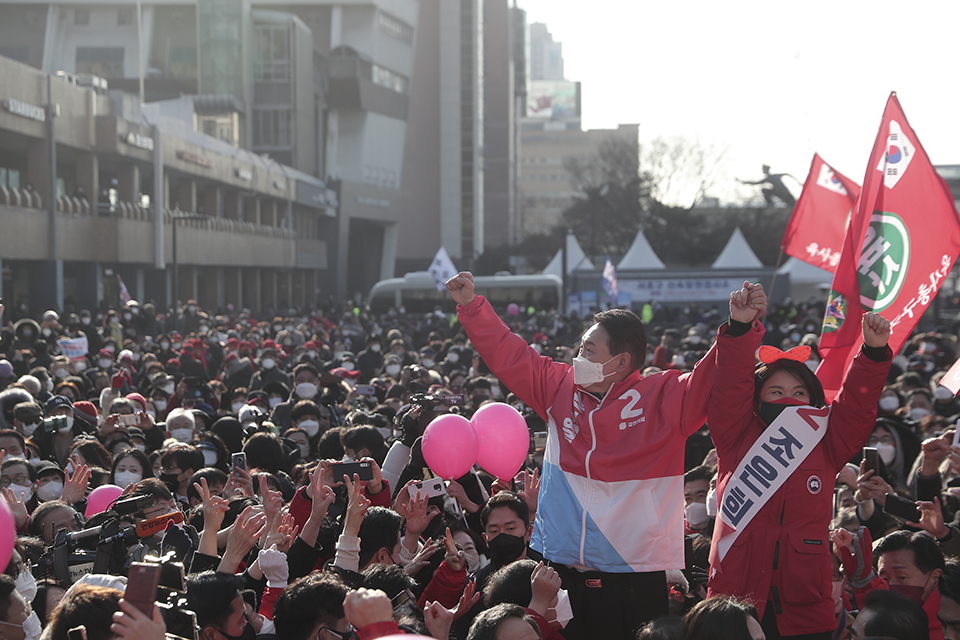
{"x": 769, "y": 355}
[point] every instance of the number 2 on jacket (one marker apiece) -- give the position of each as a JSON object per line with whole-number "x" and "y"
{"x": 632, "y": 396}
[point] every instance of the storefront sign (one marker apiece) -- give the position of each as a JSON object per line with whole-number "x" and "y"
{"x": 26, "y": 110}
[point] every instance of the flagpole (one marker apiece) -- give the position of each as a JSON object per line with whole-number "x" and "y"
{"x": 773, "y": 283}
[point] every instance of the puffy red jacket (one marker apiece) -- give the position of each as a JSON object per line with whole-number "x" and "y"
{"x": 783, "y": 556}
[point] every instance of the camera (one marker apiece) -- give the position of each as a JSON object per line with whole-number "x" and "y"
{"x": 430, "y": 400}
{"x": 172, "y": 598}
{"x": 53, "y": 424}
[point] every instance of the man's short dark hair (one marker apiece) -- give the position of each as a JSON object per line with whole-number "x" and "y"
{"x": 894, "y": 615}
{"x": 305, "y": 408}
{"x": 510, "y": 500}
{"x": 31, "y": 470}
{"x": 183, "y": 458}
{"x": 209, "y": 595}
{"x": 626, "y": 333}
{"x": 7, "y": 585}
{"x": 702, "y": 472}
{"x": 510, "y": 584}
{"x": 926, "y": 553}
{"x": 16, "y": 435}
{"x": 305, "y": 366}
{"x": 719, "y": 618}
{"x": 949, "y": 583}
{"x": 380, "y": 529}
{"x": 485, "y": 625}
{"x": 314, "y": 599}
{"x": 389, "y": 578}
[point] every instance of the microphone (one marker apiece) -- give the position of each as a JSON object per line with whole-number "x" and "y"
{"x": 147, "y": 528}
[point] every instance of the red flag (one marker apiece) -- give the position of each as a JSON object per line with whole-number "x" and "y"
{"x": 816, "y": 228}
{"x": 951, "y": 380}
{"x": 900, "y": 244}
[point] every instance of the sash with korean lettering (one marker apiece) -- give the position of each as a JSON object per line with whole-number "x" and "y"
{"x": 775, "y": 455}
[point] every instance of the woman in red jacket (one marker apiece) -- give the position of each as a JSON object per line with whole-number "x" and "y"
{"x": 777, "y": 467}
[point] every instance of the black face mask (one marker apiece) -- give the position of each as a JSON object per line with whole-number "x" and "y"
{"x": 248, "y": 634}
{"x": 770, "y": 411}
{"x": 171, "y": 480}
{"x": 506, "y": 548}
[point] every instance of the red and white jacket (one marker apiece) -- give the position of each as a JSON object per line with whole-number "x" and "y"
{"x": 611, "y": 493}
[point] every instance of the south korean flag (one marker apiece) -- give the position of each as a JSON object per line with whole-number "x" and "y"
{"x": 899, "y": 154}
{"x": 829, "y": 180}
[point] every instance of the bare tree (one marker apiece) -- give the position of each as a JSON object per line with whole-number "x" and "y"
{"x": 680, "y": 171}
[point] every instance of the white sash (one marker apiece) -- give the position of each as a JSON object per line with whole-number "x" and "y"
{"x": 775, "y": 455}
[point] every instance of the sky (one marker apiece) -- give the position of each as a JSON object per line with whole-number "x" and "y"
{"x": 769, "y": 82}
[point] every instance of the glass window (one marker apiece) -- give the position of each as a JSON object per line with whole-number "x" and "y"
{"x": 394, "y": 27}
{"x": 106, "y": 62}
{"x": 273, "y": 53}
{"x": 271, "y": 128}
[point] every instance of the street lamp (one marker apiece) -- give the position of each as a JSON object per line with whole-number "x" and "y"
{"x": 175, "y": 217}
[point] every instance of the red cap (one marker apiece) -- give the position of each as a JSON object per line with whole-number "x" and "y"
{"x": 310, "y": 344}
{"x": 106, "y": 353}
{"x": 231, "y": 342}
{"x": 136, "y": 397}
{"x": 85, "y": 410}
{"x": 343, "y": 373}
{"x": 269, "y": 344}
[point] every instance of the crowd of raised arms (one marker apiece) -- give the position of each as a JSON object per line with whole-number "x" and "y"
{"x": 248, "y": 474}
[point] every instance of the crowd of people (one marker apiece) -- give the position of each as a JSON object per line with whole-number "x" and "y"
{"x": 261, "y": 475}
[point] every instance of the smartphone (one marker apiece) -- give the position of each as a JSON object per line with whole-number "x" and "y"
{"x": 239, "y": 461}
{"x": 428, "y": 488}
{"x": 362, "y": 469}
{"x": 956, "y": 435}
{"x": 77, "y": 633}
{"x": 902, "y": 508}
{"x": 142, "y": 581}
{"x": 539, "y": 440}
{"x": 131, "y": 420}
{"x": 871, "y": 460}
{"x": 366, "y": 390}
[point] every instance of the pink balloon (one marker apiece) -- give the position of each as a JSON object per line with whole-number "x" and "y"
{"x": 504, "y": 439}
{"x": 8, "y": 533}
{"x": 513, "y": 309}
{"x": 100, "y": 498}
{"x": 450, "y": 446}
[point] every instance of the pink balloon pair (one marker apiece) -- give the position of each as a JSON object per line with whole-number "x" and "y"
{"x": 497, "y": 439}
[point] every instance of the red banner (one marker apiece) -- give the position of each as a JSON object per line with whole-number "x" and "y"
{"x": 816, "y": 228}
{"x": 901, "y": 242}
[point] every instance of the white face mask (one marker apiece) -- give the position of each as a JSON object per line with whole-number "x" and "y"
{"x": 563, "y": 610}
{"x": 312, "y": 427}
{"x": 60, "y": 374}
{"x": 52, "y": 490}
{"x": 124, "y": 479}
{"x": 586, "y": 373}
{"x": 29, "y": 429}
{"x": 274, "y": 401}
{"x": 48, "y": 385}
{"x": 182, "y": 435}
{"x": 889, "y": 403}
{"x": 887, "y": 452}
{"x": 269, "y": 363}
{"x": 943, "y": 393}
{"x": 349, "y": 366}
{"x": 453, "y": 358}
{"x": 105, "y": 363}
{"x": 236, "y": 406}
{"x": 427, "y": 362}
{"x": 210, "y": 457}
{"x": 85, "y": 321}
{"x": 393, "y": 369}
{"x": 31, "y": 627}
{"x": 68, "y": 428}
{"x": 161, "y": 405}
{"x": 919, "y": 413}
{"x": 473, "y": 559}
{"x": 306, "y": 390}
{"x": 696, "y": 514}
{"x": 375, "y": 348}
{"x": 311, "y": 354}
{"x": 712, "y": 503}
{"x": 21, "y": 492}
{"x": 164, "y": 345}
{"x": 27, "y": 585}
{"x": 169, "y": 388}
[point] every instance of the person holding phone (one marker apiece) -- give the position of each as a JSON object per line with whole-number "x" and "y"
{"x": 779, "y": 449}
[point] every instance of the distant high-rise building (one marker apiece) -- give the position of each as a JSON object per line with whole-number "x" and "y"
{"x": 546, "y": 54}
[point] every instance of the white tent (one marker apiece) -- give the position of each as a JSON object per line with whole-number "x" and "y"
{"x": 576, "y": 259}
{"x": 640, "y": 255}
{"x": 737, "y": 254}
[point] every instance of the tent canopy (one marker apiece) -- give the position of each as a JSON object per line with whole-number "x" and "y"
{"x": 576, "y": 259}
{"x": 640, "y": 255}
{"x": 737, "y": 254}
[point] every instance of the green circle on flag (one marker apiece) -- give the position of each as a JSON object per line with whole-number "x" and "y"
{"x": 884, "y": 261}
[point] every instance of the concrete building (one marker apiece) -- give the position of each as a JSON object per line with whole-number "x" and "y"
{"x": 546, "y": 54}
{"x": 262, "y": 241}
{"x": 444, "y": 165}
{"x": 320, "y": 86}
{"x": 544, "y": 189}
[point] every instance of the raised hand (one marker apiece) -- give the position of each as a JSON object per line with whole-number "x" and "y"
{"x": 749, "y": 303}
{"x": 438, "y": 620}
{"x": 415, "y": 512}
{"x": 469, "y": 598}
{"x": 321, "y": 493}
{"x": 530, "y": 489}
{"x": 374, "y": 484}
{"x": 876, "y": 330}
{"x": 460, "y": 287}
{"x": 931, "y": 519}
{"x": 357, "y": 505}
{"x": 364, "y": 607}
{"x": 132, "y": 623}
{"x": 17, "y": 507}
{"x": 214, "y": 507}
{"x": 245, "y": 532}
{"x": 454, "y": 558}
{"x": 75, "y": 488}
{"x": 545, "y": 583}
